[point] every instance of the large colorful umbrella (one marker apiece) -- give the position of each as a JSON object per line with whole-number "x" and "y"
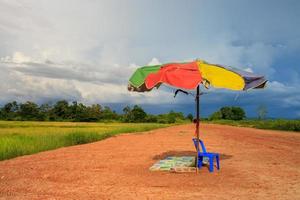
{"x": 189, "y": 75}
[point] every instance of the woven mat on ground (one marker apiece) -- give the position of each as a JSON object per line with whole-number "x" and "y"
{"x": 174, "y": 162}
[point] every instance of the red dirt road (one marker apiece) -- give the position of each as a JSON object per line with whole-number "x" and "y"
{"x": 255, "y": 164}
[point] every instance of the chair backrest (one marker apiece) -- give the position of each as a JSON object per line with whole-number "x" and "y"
{"x": 201, "y": 143}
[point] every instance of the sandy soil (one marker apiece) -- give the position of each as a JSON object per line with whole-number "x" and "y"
{"x": 255, "y": 164}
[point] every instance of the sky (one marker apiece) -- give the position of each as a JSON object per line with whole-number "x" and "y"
{"x": 85, "y": 51}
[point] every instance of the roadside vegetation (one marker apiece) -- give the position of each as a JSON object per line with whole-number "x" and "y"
{"x": 23, "y": 138}
{"x": 236, "y": 116}
{"x": 272, "y": 124}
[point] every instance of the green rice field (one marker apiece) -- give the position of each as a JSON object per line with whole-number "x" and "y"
{"x": 24, "y": 138}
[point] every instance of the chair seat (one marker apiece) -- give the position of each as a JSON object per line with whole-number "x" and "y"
{"x": 208, "y": 154}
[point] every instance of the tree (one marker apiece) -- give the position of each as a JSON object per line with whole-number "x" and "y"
{"x": 11, "y": 107}
{"x": 61, "y": 110}
{"x": 73, "y": 110}
{"x": 45, "y": 112}
{"x": 237, "y": 113}
{"x": 230, "y": 113}
{"x": 108, "y": 114}
{"x": 127, "y": 116}
{"x": 190, "y": 117}
{"x": 29, "y": 111}
{"x": 262, "y": 111}
{"x": 2, "y": 117}
{"x": 138, "y": 114}
{"x": 77, "y": 112}
{"x": 226, "y": 113}
{"x": 10, "y": 110}
{"x": 95, "y": 112}
{"x": 91, "y": 113}
{"x": 80, "y": 114}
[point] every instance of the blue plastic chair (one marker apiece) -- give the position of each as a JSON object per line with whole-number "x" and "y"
{"x": 211, "y": 156}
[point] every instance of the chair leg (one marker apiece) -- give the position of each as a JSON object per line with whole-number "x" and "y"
{"x": 218, "y": 162}
{"x": 200, "y": 162}
{"x": 211, "y": 164}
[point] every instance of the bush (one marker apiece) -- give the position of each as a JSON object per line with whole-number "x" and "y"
{"x": 151, "y": 119}
{"x": 171, "y": 117}
{"x": 190, "y": 117}
{"x": 216, "y": 115}
{"x": 279, "y": 124}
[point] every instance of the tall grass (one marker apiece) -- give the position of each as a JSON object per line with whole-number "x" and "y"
{"x": 23, "y": 138}
{"x": 278, "y": 124}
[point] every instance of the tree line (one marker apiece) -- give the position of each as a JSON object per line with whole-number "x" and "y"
{"x": 78, "y": 112}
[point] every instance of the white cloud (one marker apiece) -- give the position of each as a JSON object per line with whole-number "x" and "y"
{"x": 276, "y": 86}
{"x": 19, "y": 57}
{"x": 33, "y": 80}
{"x": 20, "y": 87}
{"x": 154, "y": 61}
{"x": 248, "y": 70}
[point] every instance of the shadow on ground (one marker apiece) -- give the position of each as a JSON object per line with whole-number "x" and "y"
{"x": 184, "y": 153}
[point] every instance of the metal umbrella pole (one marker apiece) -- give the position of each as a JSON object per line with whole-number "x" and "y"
{"x": 197, "y": 125}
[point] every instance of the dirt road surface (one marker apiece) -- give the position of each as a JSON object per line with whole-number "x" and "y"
{"x": 255, "y": 164}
